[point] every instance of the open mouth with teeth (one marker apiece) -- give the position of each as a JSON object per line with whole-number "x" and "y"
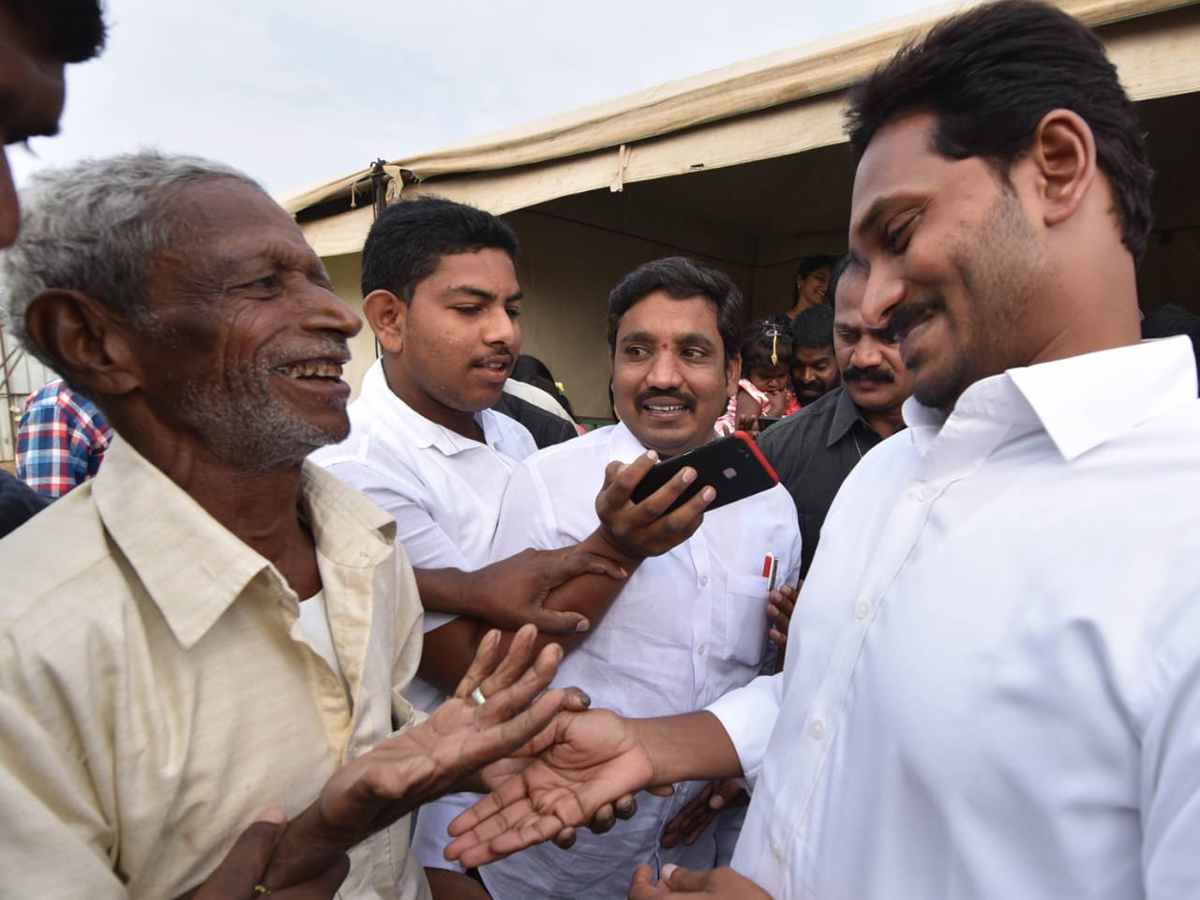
{"x": 312, "y": 368}
{"x": 494, "y": 370}
{"x": 665, "y": 407}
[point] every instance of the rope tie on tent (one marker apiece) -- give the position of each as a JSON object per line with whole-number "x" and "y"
{"x": 396, "y": 185}
{"x": 618, "y": 182}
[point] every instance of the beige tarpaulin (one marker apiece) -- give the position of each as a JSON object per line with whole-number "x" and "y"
{"x": 773, "y": 106}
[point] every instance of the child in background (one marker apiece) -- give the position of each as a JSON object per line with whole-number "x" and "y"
{"x": 763, "y": 389}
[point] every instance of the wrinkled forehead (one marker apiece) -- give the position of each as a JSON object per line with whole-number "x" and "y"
{"x": 229, "y": 212}
{"x": 220, "y": 225}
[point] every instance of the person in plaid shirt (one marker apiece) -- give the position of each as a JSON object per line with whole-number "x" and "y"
{"x": 60, "y": 440}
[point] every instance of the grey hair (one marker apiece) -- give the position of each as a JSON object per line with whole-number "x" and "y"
{"x": 96, "y": 227}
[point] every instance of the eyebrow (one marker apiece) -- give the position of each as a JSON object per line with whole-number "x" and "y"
{"x": 472, "y": 291}
{"x": 279, "y": 255}
{"x": 877, "y": 209}
{"x": 694, "y": 338}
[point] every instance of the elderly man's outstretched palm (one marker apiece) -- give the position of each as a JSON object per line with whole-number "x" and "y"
{"x": 444, "y": 752}
{"x": 587, "y": 760}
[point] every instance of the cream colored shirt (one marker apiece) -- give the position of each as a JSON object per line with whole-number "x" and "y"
{"x": 157, "y": 692}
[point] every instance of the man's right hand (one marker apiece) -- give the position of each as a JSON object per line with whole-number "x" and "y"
{"x": 246, "y": 863}
{"x": 590, "y": 759}
{"x": 717, "y": 884}
{"x": 513, "y": 591}
{"x": 639, "y": 530}
{"x": 690, "y": 822}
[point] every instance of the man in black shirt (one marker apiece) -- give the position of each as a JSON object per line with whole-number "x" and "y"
{"x": 18, "y": 502}
{"x": 814, "y": 450}
{"x": 814, "y": 366}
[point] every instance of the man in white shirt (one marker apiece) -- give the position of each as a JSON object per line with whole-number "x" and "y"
{"x": 689, "y": 625}
{"x": 995, "y": 686}
{"x": 441, "y": 294}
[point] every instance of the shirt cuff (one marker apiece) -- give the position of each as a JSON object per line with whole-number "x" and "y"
{"x": 748, "y": 715}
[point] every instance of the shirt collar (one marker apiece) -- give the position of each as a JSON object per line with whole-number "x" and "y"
{"x": 1082, "y": 401}
{"x": 192, "y": 567}
{"x": 624, "y": 447}
{"x": 418, "y": 430}
{"x": 845, "y": 414}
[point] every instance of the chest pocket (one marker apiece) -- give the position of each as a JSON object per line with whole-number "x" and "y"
{"x": 745, "y": 619}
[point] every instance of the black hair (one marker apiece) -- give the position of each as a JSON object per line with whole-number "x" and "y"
{"x": 409, "y": 239}
{"x": 762, "y": 339}
{"x": 839, "y": 269}
{"x": 71, "y": 31}
{"x": 807, "y": 266}
{"x": 813, "y": 328}
{"x": 681, "y": 278}
{"x": 532, "y": 370}
{"x": 990, "y": 75}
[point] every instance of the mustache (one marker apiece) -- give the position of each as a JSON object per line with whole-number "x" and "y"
{"x": 679, "y": 396}
{"x": 871, "y": 373}
{"x": 504, "y": 354}
{"x": 908, "y": 316}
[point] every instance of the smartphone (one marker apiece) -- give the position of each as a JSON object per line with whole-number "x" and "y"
{"x": 733, "y": 465}
{"x": 765, "y": 422}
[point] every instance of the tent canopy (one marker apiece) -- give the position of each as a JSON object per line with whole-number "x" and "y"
{"x": 765, "y": 108}
{"x": 745, "y": 167}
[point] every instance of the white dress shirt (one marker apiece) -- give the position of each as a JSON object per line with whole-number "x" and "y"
{"x": 688, "y": 626}
{"x": 997, "y": 689}
{"x": 443, "y": 489}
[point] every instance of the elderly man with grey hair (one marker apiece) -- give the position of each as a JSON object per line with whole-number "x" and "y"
{"x": 213, "y": 627}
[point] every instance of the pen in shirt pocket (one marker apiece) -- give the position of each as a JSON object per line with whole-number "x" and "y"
{"x": 770, "y": 570}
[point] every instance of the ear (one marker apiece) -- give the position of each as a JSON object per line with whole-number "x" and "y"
{"x": 733, "y": 371}
{"x": 1064, "y": 156}
{"x": 89, "y": 342}
{"x": 387, "y": 315}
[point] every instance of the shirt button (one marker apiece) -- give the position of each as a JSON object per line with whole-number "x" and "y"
{"x": 923, "y": 491}
{"x": 776, "y": 848}
{"x": 700, "y": 650}
{"x": 862, "y": 609}
{"x": 817, "y": 729}
{"x": 703, "y": 580}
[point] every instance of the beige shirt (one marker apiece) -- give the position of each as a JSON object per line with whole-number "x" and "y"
{"x": 157, "y": 692}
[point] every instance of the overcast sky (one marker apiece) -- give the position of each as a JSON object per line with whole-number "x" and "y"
{"x": 298, "y": 92}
